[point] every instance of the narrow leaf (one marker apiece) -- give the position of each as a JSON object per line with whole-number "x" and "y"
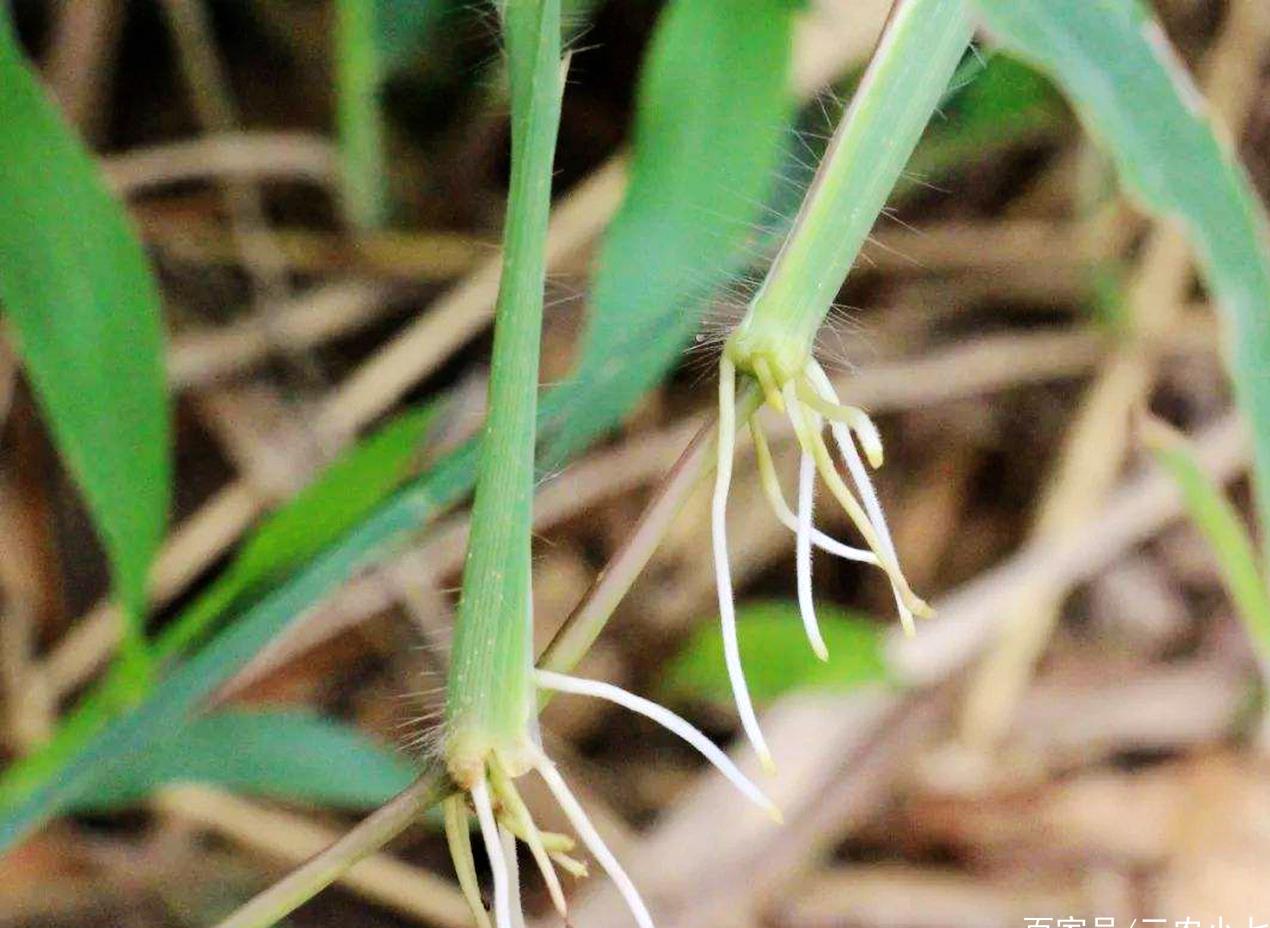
{"x": 1220, "y": 524}
{"x": 341, "y": 498}
{"x": 338, "y": 499}
{"x": 282, "y": 755}
{"x": 1115, "y": 64}
{"x": 712, "y": 119}
{"x": 78, "y": 293}
{"x": 342, "y": 495}
{"x": 176, "y": 699}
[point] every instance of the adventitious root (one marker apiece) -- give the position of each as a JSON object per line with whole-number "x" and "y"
{"x": 809, "y": 401}
{"x": 503, "y": 818}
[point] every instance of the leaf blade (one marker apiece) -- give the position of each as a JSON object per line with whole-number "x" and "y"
{"x": 713, "y": 72}
{"x": 77, "y": 288}
{"x": 278, "y": 754}
{"x": 1220, "y": 524}
{"x": 1115, "y": 64}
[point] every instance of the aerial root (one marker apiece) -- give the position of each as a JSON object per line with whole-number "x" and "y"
{"x": 722, "y": 568}
{"x": 590, "y": 838}
{"x": 668, "y": 720}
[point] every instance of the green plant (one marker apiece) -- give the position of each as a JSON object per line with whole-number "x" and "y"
{"x": 774, "y": 344}
{"x": 490, "y": 736}
{"x": 78, "y": 292}
{"x": 359, "y": 77}
{"x": 711, "y": 73}
{"x": 771, "y": 633}
{"x": 1222, "y": 527}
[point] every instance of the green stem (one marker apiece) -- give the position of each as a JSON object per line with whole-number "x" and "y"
{"x": 489, "y": 698}
{"x": 303, "y": 883}
{"x": 565, "y": 651}
{"x": 358, "y": 79}
{"x": 919, "y": 51}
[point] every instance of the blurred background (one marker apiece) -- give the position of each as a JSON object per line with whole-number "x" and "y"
{"x": 1076, "y": 736}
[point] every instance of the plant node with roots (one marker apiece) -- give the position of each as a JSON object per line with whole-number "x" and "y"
{"x": 488, "y": 789}
{"x": 793, "y": 383}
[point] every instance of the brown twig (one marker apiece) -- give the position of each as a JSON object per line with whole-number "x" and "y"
{"x": 236, "y": 156}
{"x": 81, "y": 59}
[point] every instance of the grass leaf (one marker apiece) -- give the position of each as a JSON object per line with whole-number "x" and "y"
{"x": 176, "y": 698}
{"x": 1222, "y": 527}
{"x": 353, "y": 485}
{"x": 780, "y": 661}
{"x": 279, "y": 754}
{"x": 78, "y": 292}
{"x": 341, "y": 497}
{"x": 712, "y": 120}
{"x": 1115, "y": 64}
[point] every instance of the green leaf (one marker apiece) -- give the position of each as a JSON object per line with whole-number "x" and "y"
{"x": 1115, "y": 64}
{"x": 713, "y": 115}
{"x": 341, "y": 497}
{"x": 352, "y": 486}
{"x": 1217, "y": 519}
{"x": 334, "y": 504}
{"x": 777, "y": 657}
{"x": 177, "y": 697}
{"x": 78, "y": 293}
{"x": 282, "y": 755}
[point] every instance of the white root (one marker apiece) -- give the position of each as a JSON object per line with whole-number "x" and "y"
{"x": 802, "y": 553}
{"x": 508, "y": 841}
{"x": 494, "y": 851}
{"x": 723, "y": 569}
{"x": 776, "y": 499}
{"x": 591, "y": 839}
{"x": 860, "y": 476}
{"x": 669, "y": 720}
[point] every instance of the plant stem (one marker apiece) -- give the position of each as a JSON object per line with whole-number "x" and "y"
{"x": 489, "y": 698}
{"x": 565, "y": 651}
{"x": 358, "y": 78}
{"x": 907, "y": 77}
{"x": 376, "y": 830}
